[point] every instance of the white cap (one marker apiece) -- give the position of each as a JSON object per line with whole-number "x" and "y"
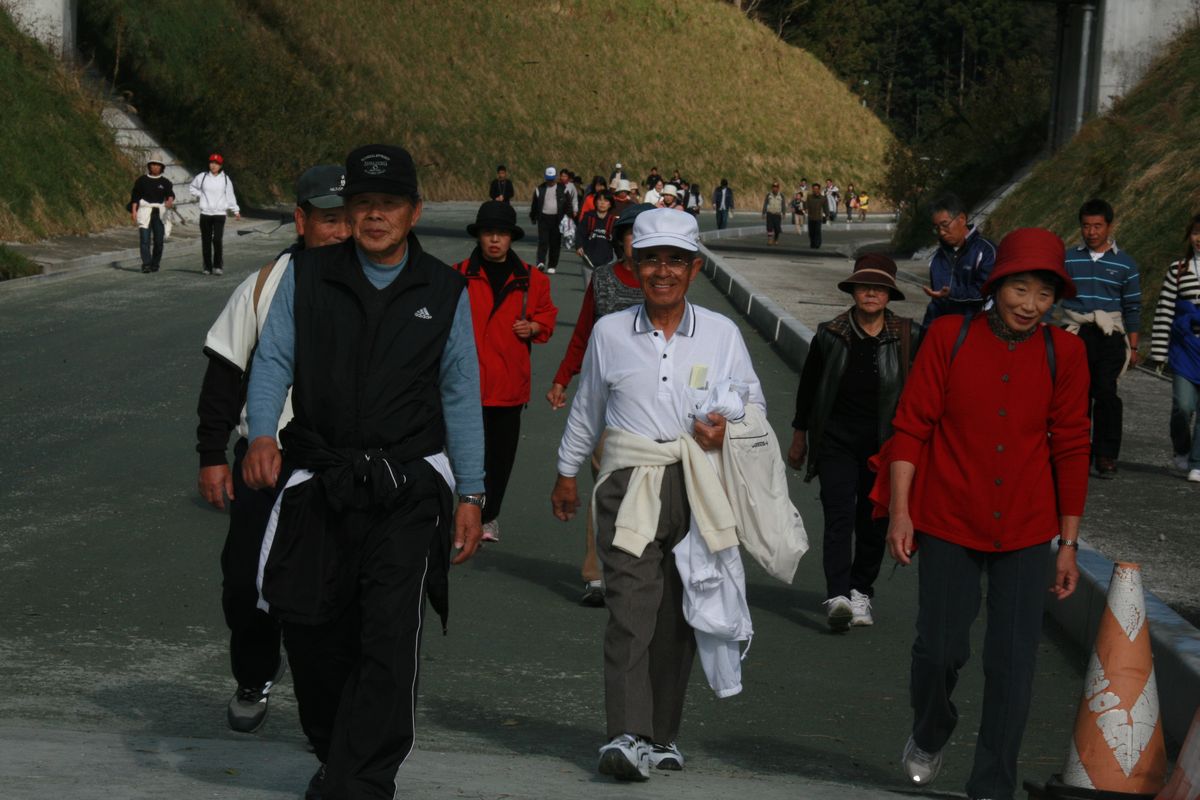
{"x": 622, "y": 185}
{"x": 671, "y": 190}
{"x": 619, "y": 165}
{"x": 665, "y": 227}
{"x": 551, "y": 173}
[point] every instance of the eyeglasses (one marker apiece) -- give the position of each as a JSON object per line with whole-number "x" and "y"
{"x": 942, "y": 227}
{"x": 674, "y": 263}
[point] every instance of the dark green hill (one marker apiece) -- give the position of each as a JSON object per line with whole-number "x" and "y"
{"x": 1143, "y": 157}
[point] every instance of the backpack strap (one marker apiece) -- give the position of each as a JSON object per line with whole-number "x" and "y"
{"x": 1051, "y": 362}
{"x": 962, "y": 335}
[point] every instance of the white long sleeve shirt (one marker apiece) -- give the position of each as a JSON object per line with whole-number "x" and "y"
{"x": 215, "y": 193}
{"x": 636, "y": 379}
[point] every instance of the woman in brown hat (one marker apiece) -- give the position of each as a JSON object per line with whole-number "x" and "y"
{"x": 851, "y": 382}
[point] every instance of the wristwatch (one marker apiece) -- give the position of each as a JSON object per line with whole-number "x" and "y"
{"x": 1064, "y": 542}
{"x": 473, "y": 499}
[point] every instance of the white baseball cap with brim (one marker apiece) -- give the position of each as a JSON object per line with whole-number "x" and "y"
{"x": 551, "y": 173}
{"x": 665, "y": 227}
{"x": 671, "y": 190}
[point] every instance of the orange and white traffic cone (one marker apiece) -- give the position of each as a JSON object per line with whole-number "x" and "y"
{"x": 1185, "y": 780}
{"x": 1118, "y": 742}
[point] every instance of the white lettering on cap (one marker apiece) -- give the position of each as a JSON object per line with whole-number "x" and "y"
{"x": 375, "y": 163}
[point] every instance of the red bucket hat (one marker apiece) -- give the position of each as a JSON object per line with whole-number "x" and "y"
{"x": 1030, "y": 250}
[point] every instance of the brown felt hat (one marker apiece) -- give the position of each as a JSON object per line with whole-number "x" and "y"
{"x": 873, "y": 269}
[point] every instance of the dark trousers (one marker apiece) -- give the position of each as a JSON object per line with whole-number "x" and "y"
{"x": 212, "y": 234}
{"x": 253, "y": 633}
{"x": 722, "y": 218}
{"x": 648, "y": 645}
{"x": 948, "y": 602}
{"x": 549, "y": 239}
{"x": 355, "y": 677}
{"x": 1106, "y": 358}
{"x": 774, "y": 226}
{"x": 853, "y": 543}
{"x": 1185, "y": 420}
{"x": 501, "y": 434}
{"x": 814, "y": 233}
{"x": 151, "y": 253}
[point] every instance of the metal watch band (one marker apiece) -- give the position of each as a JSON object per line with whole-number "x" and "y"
{"x": 473, "y": 499}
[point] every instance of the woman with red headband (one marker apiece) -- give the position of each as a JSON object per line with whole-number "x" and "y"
{"x": 987, "y": 465}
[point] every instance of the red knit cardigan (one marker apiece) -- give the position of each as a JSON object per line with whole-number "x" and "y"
{"x": 1000, "y": 449}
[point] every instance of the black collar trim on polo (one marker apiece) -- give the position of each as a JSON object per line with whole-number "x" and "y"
{"x": 687, "y": 325}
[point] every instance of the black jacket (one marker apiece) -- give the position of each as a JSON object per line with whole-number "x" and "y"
{"x": 825, "y": 364}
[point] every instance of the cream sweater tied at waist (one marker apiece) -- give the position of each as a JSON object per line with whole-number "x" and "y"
{"x": 637, "y": 518}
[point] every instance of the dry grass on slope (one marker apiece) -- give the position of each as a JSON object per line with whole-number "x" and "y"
{"x": 466, "y": 86}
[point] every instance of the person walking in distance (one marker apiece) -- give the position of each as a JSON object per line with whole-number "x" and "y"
{"x": 1105, "y": 315}
{"x": 961, "y": 264}
{"x": 149, "y": 201}
{"x": 1176, "y": 340}
{"x": 511, "y": 310}
{"x": 796, "y": 206}
{"x": 815, "y": 206}
{"x": 849, "y": 387}
{"x": 214, "y": 193}
{"x": 595, "y": 235}
{"x": 501, "y": 188}
{"x": 254, "y": 638}
{"x": 773, "y": 207}
{"x": 550, "y": 204}
{"x": 832, "y": 199}
{"x": 614, "y": 287}
{"x": 639, "y": 367}
{"x": 987, "y": 465}
{"x": 374, "y": 336}
{"x": 722, "y": 201}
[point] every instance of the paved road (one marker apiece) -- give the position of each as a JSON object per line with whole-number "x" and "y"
{"x": 112, "y": 646}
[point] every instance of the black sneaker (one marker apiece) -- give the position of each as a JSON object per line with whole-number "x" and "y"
{"x": 593, "y": 595}
{"x": 316, "y": 785}
{"x": 145, "y": 269}
{"x": 249, "y": 705}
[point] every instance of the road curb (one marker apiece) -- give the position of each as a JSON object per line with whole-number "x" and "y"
{"x": 1176, "y": 643}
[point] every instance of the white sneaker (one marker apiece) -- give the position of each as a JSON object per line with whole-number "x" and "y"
{"x": 860, "y": 609}
{"x": 839, "y": 613}
{"x": 666, "y": 756}
{"x": 1180, "y": 462}
{"x": 551, "y": 270}
{"x": 1194, "y": 476}
{"x": 626, "y": 758}
{"x": 920, "y": 767}
{"x": 491, "y": 531}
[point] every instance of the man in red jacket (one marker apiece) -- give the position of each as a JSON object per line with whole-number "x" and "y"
{"x": 510, "y": 310}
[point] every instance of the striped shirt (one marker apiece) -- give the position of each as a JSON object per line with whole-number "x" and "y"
{"x": 1109, "y": 282}
{"x": 1174, "y": 286}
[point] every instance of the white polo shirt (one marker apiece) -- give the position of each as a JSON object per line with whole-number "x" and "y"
{"x": 636, "y": 379}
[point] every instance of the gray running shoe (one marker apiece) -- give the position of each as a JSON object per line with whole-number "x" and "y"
{"x": 666, "y": 756}
{"x": 839, "y": 613}
{"x": 920, "y": 767}
{"x": 249, "y": 705}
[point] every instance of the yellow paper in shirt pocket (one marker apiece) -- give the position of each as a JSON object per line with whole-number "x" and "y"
{"x": 699, "y": 377}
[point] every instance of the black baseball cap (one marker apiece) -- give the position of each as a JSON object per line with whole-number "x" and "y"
{"x": 383, "y": 168}
{"x": 629, "y": 215}
{"x": 321, "y": 186}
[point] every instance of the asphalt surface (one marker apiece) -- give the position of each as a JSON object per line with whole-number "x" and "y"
{"x": 113, "y": 650}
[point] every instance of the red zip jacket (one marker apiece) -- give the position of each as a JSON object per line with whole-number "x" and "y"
{"x": 1000, "y": 450}
{"x": 504, "y": 368}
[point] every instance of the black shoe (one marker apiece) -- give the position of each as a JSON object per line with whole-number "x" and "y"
{"x": 316, "y": 785}
{"x": 145, "y": 269}
{"x": 249, "y": 705}
{"x": 154, "y": 267}
{"x": 593, "y": 595}
{"x": 1106, "y": 467}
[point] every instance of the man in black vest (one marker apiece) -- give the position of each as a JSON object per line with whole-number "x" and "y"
{"x": 374, "y": 336}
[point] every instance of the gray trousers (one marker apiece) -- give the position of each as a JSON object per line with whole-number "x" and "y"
{"x": 648, "y": 645}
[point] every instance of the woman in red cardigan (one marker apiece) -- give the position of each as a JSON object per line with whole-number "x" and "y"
{"x": 988, "y": 464}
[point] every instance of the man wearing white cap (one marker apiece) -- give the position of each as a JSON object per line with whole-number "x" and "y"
{"x": 550, "y": 202}
{"x": 643, "y": 368}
